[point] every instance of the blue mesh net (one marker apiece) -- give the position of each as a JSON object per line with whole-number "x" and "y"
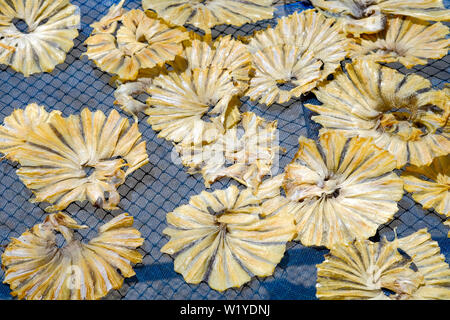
{"x": 161, "y": 186}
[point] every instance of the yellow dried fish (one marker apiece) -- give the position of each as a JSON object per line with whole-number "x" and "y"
{"x": 228, "y": 236}
{"x": 430, "y": 185}
{"x": 406, "y": 40}
{"x": 246, "y": 153}
{"x": 292, "y": 58}
{"x": 364, "y": 270}
{"x": 340, "y": 189}
{"x": 52, "y": 26}
{"x": 123, "y": 42}
{"x": 17, "y": 126}
{"x": 207, "y": 14}
{"x": 401, "y": 113}
{"x": 369, "y": 16}
{"x": 58, "y": 155}
{"x": 37, "y": 268}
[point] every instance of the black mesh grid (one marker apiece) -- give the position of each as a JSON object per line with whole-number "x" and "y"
{"x": 162, "y": 185}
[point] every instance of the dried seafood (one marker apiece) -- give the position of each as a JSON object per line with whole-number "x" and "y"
{"x": 205, "y": 14}
{"x": 227, "y": 236}
{"x": 366, "y": 270}
{"x": 80, "y": 158}
{"x": 38, "y": 269}
{"x": 401, "y": 113}
{"x": 292, "y": 58}
{"x": 51, "y": 27}
{"x": 406, "y": 40}
{"x": 124, "y": 42}
{"x": 245, "y": 153}
{"x": 369, "y": 16}
{"x": 430, "y": 185}
{"x": 340, "y": 189}
{"x": 17, "y": 126}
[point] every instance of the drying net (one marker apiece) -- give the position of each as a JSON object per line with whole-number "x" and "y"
{"x": 164, "y": 184}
